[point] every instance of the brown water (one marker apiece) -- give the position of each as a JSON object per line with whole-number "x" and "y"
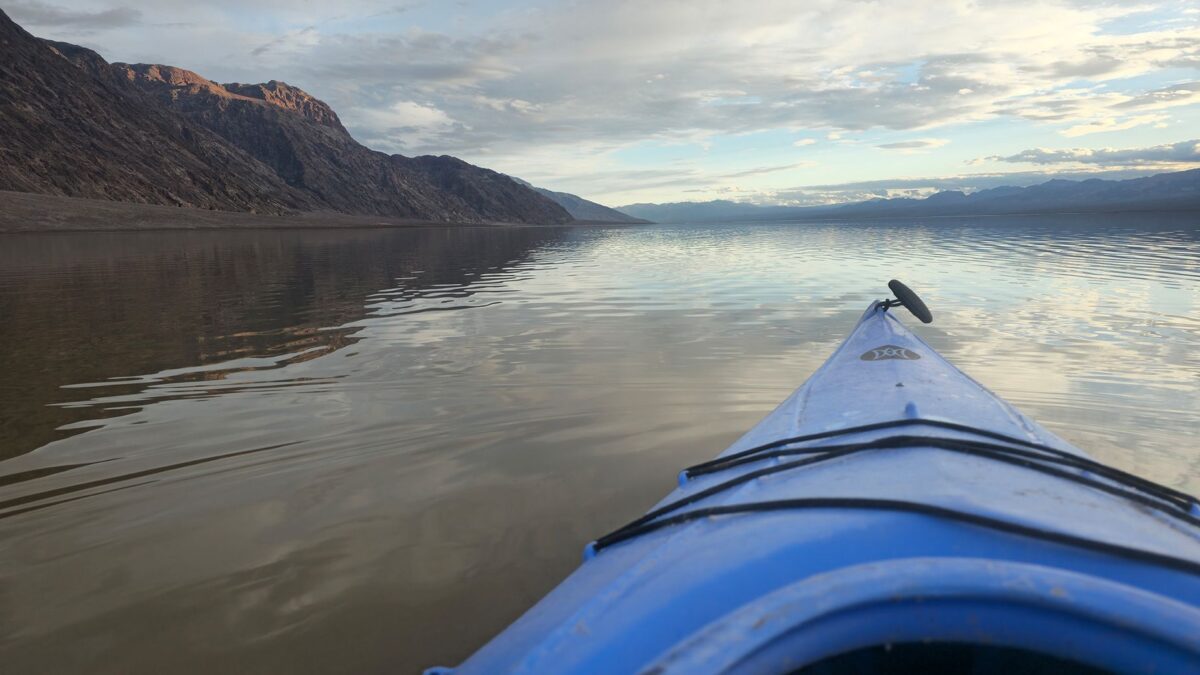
{"x": 369, "y": 451}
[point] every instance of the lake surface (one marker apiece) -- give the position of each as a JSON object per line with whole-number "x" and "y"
{"x": 370, "y": 450}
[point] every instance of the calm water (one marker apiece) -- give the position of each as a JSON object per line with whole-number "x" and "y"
{"x": 369, "y": 451}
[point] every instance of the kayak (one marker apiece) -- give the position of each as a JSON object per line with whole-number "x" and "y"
{"x": 892, "y": 515}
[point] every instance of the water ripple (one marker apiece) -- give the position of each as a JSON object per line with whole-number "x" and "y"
{"x": 270, "y": 436}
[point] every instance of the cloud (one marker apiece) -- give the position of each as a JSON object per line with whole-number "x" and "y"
{"x": 397, "y": 8}
{"x": 1094, "y": 109}
{"x": 41, "y": 14}
{"x": 639, "y": 73}
{"x": 1113, "y": 124}
{"x": 682, "y": 179}
{"x": 615, "y": 78}
{"x": 291, "y": 39}
{"x": 1184, "y": 152}
{"x": 766, "y": 169}
{"x": 417, "y": 59}
{"x": 405, "y": 115}
{"x": 918, "y": 144}
{"x": 1176, "y": 94}
{"x": 618, "y": 181}
{"x": 402, "y": 123}
{"x": 804, "y": 141}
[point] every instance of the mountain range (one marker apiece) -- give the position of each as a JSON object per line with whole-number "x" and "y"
{"x": 76, "y": 125}
{"x": 1177, "y": 191}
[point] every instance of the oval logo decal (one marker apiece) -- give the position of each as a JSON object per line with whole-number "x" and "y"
{"x": 888, "y": 352}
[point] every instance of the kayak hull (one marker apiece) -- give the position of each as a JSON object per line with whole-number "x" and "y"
{"x": 878, "y": 546}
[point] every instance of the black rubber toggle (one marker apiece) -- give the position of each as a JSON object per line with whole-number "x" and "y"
{"x": 911, "y": 301}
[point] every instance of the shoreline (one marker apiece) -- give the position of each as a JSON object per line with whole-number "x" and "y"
{"x": 31, "y": 213}
{"x": 27, "y": 212}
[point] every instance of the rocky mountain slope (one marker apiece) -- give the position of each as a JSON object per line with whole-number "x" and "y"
{"x": 80, "y": 126}
{"x": 67, "y": 132}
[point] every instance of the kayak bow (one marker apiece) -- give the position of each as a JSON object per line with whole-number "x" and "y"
{"x": 892, "y": 513}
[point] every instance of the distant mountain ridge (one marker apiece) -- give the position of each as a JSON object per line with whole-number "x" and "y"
{"x": 582, "y": 209}
{"x": 76, "y": 125}
{"x": 1176, "y": 191}
{"x": 585, "y": 210}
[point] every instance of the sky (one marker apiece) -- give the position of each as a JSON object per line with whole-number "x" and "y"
{"x": 765, "y": 101}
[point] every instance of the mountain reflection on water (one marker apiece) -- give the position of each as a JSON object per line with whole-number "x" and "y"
{"x": 370, "y": 450}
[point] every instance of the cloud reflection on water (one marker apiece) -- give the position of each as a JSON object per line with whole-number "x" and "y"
{"x": 426, "y": 474}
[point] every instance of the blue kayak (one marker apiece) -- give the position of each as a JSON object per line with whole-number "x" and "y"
{"x": 891, "y": 516}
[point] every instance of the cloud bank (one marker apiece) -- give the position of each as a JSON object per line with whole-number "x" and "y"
{"x": 1172, "y": 155}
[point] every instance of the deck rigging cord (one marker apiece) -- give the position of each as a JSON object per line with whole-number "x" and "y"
{"x": 1028, "y": 454}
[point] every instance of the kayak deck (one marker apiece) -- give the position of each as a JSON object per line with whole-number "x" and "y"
{"x": 890, "y": 499}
